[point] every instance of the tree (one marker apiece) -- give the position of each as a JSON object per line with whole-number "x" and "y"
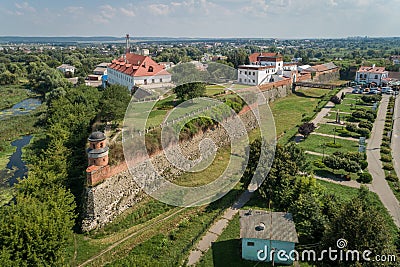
{"x": 35, "y": 232}
{"x": 306, "y": 129}
{"x": 333, "y": 162}
{"x": 336, "y": 100}
{"x": 308, "y": 217}
{"x": 114, "y": 102}
{"x": 362, "y": 224}
{"x": 48, "y": 79}
{"x": 288, "y": 162}
{"x": 190, "y": 90}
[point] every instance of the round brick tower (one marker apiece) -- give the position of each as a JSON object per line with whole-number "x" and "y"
{"x": 98, "y": 149}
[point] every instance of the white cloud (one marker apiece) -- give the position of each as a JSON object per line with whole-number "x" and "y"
{"x": 74, "y": 9}
{"x": 159, "y": 9}
{"x": 257, "y": 8}
{"x": 128, "y": 11}
{"x": 24, "y": 7}
{"x": 107, "y": 12}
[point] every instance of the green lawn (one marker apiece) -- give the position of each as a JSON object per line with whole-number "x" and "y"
{"x": 332, "y": 129}
{"x": 212, "y": 90}
{"x": 315, "y": 143}
{"x": 289, "y": 111}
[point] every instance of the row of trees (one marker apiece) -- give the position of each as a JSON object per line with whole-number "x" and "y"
{"x": 36, "y": 227}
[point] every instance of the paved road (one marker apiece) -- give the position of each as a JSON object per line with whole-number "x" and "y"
{"x": 379, "y": 184}
{"x": 217, "y": 228}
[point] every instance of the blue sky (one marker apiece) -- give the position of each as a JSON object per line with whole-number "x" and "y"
{"x": 201, "y": 18}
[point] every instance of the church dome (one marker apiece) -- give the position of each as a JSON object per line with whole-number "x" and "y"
{"x": 97, "y": 136}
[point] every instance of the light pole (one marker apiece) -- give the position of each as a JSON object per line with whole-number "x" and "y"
{"x": 334, "y": 135}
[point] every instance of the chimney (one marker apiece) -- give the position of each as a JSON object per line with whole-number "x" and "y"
{"x": 373, "y": 65}
{"x": 127, "y": 44}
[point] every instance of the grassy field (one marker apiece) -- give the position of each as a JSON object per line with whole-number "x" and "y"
{"x": 289, "y": 111}
{"x": 315, "y": 143}
{"x": 12, "y": 94}
{"x": 332, "y": 129}
{"x": 212, "y": 90}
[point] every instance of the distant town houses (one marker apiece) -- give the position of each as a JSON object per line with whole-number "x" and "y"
{"x": 67, "y": 69}
{"x": 99, "y": 75}
{"x": 133, "y": 70}
{"x": 376, "y": 75}
{"x": 395, "y": 59}
{"x": 167, "y": 65}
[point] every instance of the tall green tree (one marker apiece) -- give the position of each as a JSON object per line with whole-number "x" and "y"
{"x": 114, "y": 102}
{"x": 362, "y": 224}
{"x": 190, "y": 90}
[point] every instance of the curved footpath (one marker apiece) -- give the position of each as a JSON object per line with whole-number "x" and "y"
{"x": 379, "y": 184}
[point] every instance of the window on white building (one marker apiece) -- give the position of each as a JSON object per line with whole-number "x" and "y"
{"x": 376, "y": 76}
{"x": 161, "y": 80}
{"x": 153, "y": 81}
{"x": 254, "y": 73}
{"x": 245, "y": 73}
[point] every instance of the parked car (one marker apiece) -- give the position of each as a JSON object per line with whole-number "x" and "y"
{"x": 373, "y": 92}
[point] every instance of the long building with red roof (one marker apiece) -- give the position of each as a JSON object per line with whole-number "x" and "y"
{"x": 135, "y": 70}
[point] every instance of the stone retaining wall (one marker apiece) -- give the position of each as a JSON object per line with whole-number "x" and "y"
{"x": 119, "y": 192}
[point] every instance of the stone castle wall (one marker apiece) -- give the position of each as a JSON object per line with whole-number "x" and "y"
{"x": 119, "y": 191}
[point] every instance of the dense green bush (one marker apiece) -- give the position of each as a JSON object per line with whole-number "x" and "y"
{"x": 364, "y": 132}
{"x": 391, "y": 177}
{"x": 318, "y": 163}
{"x": 363, "y": 164}
{"x": 385, "y": 150}
{"x": 386, "y": 144}
{"x": 364, "y": 178}
{"x": 388, "y": 167}
{"x": 351, "y": 127}
{"x": 386, "y": 158}
{"x": 365, "y": 124}
{"x": 371, "y": 98}
{"x": 331, "y": 144}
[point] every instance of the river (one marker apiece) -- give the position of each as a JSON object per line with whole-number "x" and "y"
{"x": 16, "y": 165}
{"x": 21, "y": 108}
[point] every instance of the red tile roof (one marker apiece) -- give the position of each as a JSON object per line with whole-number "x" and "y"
{"x": 254, "y": 57}
{"x": 371, "y": 69}
{"x": 137, "y": 65}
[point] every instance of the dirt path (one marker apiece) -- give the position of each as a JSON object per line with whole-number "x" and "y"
{"x": 217, "y": 228}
